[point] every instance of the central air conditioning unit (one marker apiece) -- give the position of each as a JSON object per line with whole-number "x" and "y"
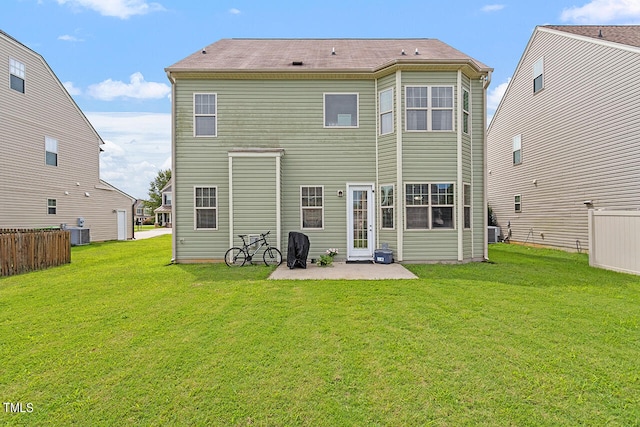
{"x": 80, "y": 236}
{"x": 493, "y": 234}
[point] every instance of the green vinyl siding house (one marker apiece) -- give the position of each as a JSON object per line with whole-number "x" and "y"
{"x": 354, "y": 142}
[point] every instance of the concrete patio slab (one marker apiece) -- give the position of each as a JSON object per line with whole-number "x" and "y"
{"x": 343, "y": 271}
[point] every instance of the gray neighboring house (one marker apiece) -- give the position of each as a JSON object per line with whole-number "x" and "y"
{"x": 566, "y": 135}
{"x": 353, "y": 142}
{"x": 163, "y": 212}
{"x": 49, "y": 154}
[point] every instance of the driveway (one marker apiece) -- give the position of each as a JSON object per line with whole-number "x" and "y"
{"x": 147, "y": 234}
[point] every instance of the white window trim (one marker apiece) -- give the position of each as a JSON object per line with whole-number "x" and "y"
{"x": 517, "y": 203}
{"x": 215, "y": 114}
{"x": 302, "y": 227}
{"x": 47, "y": 140}
{"x": 55, "y": 206}
{"x": 195, "y": 209}
{"x": 430, "y": 108}
{"x": 392, "y": 207}
{"x": 467, "y": 204}
{"x": 516, "y": 140}
{"x": 430, "y": 206}
{"x": 324, "y": 110}
{"x": 466, "y": 112}
{"x": 538, "y": 71}
{"x": 19, "y": 69}
{"x": 390, "y": 111}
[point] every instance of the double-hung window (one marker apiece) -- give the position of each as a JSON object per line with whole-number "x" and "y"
{"x": 52, "y": 206}
{"x": 417, "y": 202}
{"x": 205, "y": 114}
{"x": 312, "y": 207}
{"x": 16, "y": 75}
{"x": 429, "y": 206}
{"x": 206, "y": 208}
{"x": 417, "y": 107}
{"x": 51, "y": 151}
{"x": 386, "y": 111}
{"x": 386, "y": 206}
{"x": 517, "y": 149}
{"x": 341, "y": 110}
{"x": 429, "y": 108}
{"x": 538, "y": 78}
{"x": 467, "y": 205}
{"x": 465, "y": 111}
{"x": 517, "y": 203}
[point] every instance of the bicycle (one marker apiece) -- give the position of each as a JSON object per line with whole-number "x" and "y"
{"x": 237, "y": 257}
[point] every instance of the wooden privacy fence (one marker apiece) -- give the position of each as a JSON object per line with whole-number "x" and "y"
{"x": 22, "y": 251}
{"x": 614, "y": 240}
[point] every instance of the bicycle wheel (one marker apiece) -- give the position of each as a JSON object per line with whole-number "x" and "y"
{"x": 272, "y": 256}
{"x": 235, "y": 257}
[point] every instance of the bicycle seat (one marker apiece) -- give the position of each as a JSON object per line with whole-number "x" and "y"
{"x": 242, "y": 235}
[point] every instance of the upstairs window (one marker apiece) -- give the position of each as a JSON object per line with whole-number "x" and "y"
{"x": 166, "y": 199}
{"x": 429, "y": 108}
{"x": 386, "y": 111}
{"x": 538, "y": 71}
{"x": 205, "y": 114}
{"x": 51, "y": 151}
{"x": 341, "y": 110}
{"x": 417, "y": 107}
{"x": 17, "y": 75}
{"x": 465, "y": 111}
{"x": 517, "y": 149}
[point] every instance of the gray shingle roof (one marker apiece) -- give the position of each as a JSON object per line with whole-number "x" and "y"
{"x": 316, "y": 55}
{"x": 624, "y": 34}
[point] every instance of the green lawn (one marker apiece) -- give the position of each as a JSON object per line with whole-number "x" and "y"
{"x": 121, "y": 337}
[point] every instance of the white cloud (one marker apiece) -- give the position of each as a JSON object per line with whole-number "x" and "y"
{"x": 604, "y": 11}
{"x": 73, "y": 91}
{"x": 234, "y": 11}
{"x": 68, "y": 38}
{"x": 137, "y": 88}
{"x": 122, "y": 9}
{"x": 137, "y": 146}
{"x": 495, "y": 95}
{"x": 492, "y": 7}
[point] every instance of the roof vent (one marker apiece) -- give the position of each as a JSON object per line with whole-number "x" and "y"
{"x": 333, "y": 51}
{"x": 600, "y": 34}
{"x": 403, "y": 52}
{"x": 204, "y": 50}
{"x": 417, "y": 53}
{"x": 297, "y": 63}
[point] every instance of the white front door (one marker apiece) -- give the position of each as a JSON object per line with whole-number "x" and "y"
{"x": 122, "y": 225}
{"x": 360, "y": 233}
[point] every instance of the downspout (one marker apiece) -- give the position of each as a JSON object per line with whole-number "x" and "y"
{"x": 459, "y": 185}
{"x": 399, "y": 173}
{"x": 230, "y": 201}
{"x": 377, "y": 198}
{"x": 487, "y": 82}
{"x": 174, "y": 223}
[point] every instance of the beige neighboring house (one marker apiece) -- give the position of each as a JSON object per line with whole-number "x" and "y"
{"x": 142, "y": 213}
{"x": 163, "y": 213}
{"x": 566, "y": 135}
{"x": 49, "y": 154}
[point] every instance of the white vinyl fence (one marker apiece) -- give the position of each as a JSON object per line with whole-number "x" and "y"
{"x": 614, "y": 240}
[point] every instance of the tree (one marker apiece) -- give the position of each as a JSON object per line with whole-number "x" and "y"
{"x": 155, "y": 189}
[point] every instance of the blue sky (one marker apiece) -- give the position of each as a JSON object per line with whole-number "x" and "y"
{"x": 111, "y": 54}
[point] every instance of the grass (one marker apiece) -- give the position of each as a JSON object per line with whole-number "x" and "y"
{"x": 120, "y": 337}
